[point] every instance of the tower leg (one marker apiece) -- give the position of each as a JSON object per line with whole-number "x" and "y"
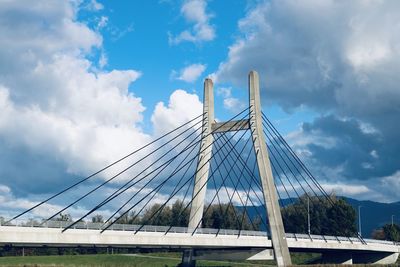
{"x": 278, "y": 237}
{"x": 203, "y": 166}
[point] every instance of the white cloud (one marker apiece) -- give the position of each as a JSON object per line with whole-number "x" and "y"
{"x": 194, "y": 11}
{"x": 93, "y": 5}
{"x": 53, "y": 103}
{"x": 390, "y": 185}
{"x": 339, "y": 189}
{"x": 230, "y": 103}
{"x": 234, "y": 104}
{"x": 190, "y": 73}
{"x": 325, "y": 56}
{"x": 224, "y": 92}
{"x": 60, "y": 116}
{"x": 103, "y": 60}
{"x": 182, "y": 107}
{"x": 103, "y": 21}
{"x": 346, "y": 189}
{"x": 236, "y": 196}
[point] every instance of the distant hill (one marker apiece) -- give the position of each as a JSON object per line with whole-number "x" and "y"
{"x": 373, "y": 214}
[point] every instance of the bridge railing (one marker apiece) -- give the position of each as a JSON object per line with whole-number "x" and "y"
{"x": 131, "y": 227}
{"x": 339, "y": 239}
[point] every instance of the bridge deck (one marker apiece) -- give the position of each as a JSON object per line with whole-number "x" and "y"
{"x": 88, "y": 234}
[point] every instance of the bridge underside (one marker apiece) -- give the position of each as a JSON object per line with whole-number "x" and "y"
{"x": 249, "y": 245}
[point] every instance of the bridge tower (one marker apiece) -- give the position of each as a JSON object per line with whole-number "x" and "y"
{"x": 254, "y": 123}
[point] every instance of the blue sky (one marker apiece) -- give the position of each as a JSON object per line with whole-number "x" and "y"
{"x": 84, "y": 82}
{"x": 137, "y": 37}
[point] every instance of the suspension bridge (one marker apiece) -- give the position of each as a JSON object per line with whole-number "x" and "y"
{"x": 243, "y": 162}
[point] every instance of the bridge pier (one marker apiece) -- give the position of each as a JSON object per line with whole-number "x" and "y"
{"x": 188, "y": 258}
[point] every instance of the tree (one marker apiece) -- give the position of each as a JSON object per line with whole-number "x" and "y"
{"x": 97, "y": 218}
{"x": 227, "y": 216}
{"x": 179, "y": 216}
{"x": 64, "y": 217}
{"x": 337, "y": 218}
{"x": 155, "y": 215}
{"x": 127, "y": 218}
{"x": 31, "y": 222}
{"x": 222, "y": 216}
{"x": 392, "y": 232}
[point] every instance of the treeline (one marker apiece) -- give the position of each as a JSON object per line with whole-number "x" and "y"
{"x": 336, "y": 218}
{"x": 224, "y": 216}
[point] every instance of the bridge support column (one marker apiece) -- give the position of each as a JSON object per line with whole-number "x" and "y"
{"x": 342, "y": 257}
{"x": 278, "y": 237}
{"x": 203, "y": 166}
{"x": 188, "y": 258}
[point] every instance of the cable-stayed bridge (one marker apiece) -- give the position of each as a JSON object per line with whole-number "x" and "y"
{"x": 209, "y": 167}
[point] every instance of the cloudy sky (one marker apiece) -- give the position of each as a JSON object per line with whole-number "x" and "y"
{"x": 85, "y": 82}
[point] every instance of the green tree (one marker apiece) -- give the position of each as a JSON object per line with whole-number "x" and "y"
{"x": 227, "y": 216}
{"x": 97, "y": 218}
{"x": 337, "y": 218}
{"x": 123, "y": 218}
{"x": 392, "y": 232}
{"x": 341, "y": 219}
{"x": 64, "y": 217}
{"x": 156, "y": 216}
{"x": 179, "y": 216}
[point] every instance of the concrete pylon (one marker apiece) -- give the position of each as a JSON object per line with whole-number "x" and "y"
{"x": 203, "y": 163}
{"x": 278, "y": 237}
{"x": 203, "y": 167}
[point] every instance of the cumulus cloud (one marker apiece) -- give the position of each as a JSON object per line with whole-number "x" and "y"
{"x": 55, "y": 110}
{"x": 234, "y": 105}
{"x": 190, "y": 73}
{"x": 303, "y": 65}
{"x": 323, "y": 70}
{"x": 194, "y": 11}
{"x": 230, "y": 103}
{"x": 338, "y": 58}
{"x": 181, "y": 107}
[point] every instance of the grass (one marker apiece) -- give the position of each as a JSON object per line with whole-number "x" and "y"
{"x": 142, "y": 260}
{"x": 86, "y": 260}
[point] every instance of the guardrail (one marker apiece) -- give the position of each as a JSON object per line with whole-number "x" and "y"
{"x": 174, "y": 229}
{"x": 339, "y": 239}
